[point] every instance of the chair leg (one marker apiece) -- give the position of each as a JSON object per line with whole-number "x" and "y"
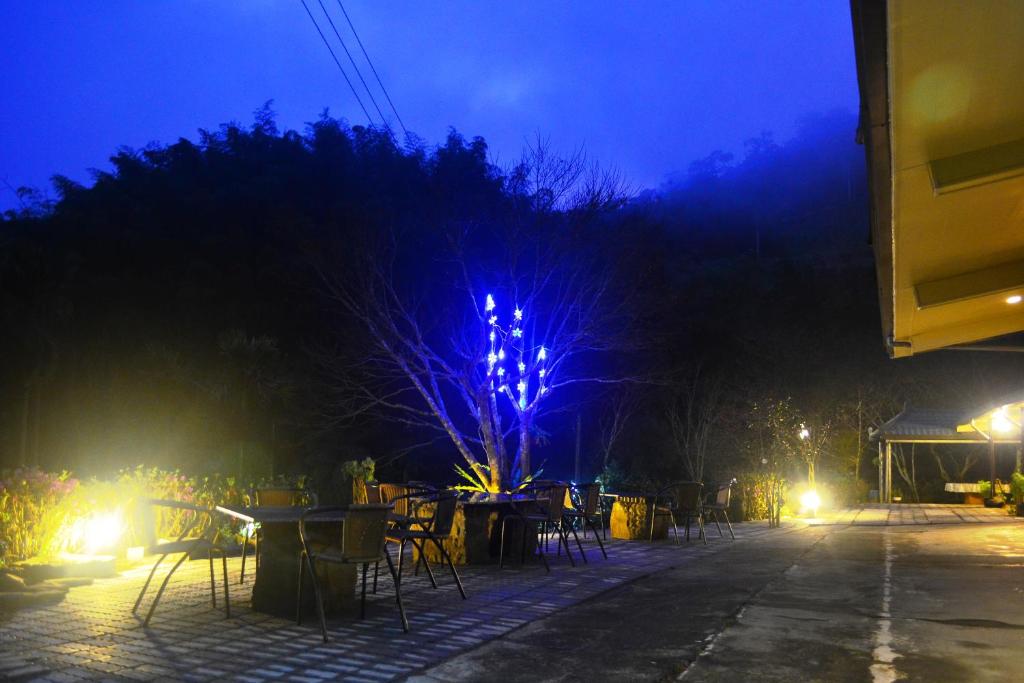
{"x": 675, "y": 527}
{"x": 654, "y": 513}
{"x": 298, "y": 598}
{"x": 376, "y": 571}
{"x": 430, "y": 572}
{"x": 728, "y": 524}
{"x": 451, "y": 565}
{"x": 145, "y": 586}
{"x": 501, "y": 546}
{"x": 578, "y": 544}
{"x": 227, "y": 596}
{"x": 213, "y": 582}
{"x": 703, "y": 533}
{"x": 160, "y": 592}
{"x": 600, "y": 543}
{"x": 543, "y": 556}
{"x": 714, "y": 516}
{"x": 316, "y": 594}
{"x": 401, "y": 559}
{"x": 245, "y": 549}
{"x": 398, "y": 591}
{"x": 362, "y": 601}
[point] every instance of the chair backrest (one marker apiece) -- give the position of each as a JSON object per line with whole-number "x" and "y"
{"x": 590, "y": 498}
{"x": 445, "y": 504}
{"x": 551, "y": 497}
{"x": 396, "y": 493}
{"x": 280, "y": 496}
{"x": 723, "y": 494}
{"x": 362, "y": 533}
{"x": 373, "y": 493}
{"x": 684, "y": 495}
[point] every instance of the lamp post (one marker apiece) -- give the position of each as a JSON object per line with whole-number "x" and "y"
{"x": 805, "y": 438}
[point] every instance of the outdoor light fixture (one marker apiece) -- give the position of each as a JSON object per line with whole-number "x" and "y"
{"x": 811, "y": 501}
{"x": 804, "y": 432}
{"x": 1000, "y": 422}
{"x": 1015, "y": 299}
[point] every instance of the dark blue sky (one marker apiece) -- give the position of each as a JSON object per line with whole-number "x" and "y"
{"x": 645, "y": 86}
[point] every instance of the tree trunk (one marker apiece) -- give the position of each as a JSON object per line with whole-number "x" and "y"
{"x": 524, "y": 445}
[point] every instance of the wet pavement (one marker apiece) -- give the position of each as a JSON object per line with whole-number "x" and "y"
{"x": 886, "y": 601}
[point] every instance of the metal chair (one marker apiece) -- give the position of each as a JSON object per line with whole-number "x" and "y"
{"x": 585, "y": 510}
{"x": 543, "y": 511}
{"x": 720, "y": 506}
{"x": 361, "y": 542}
{"x": 184, "y": 544}
{"x": 277, "y": 497}
{"x": 434, "y": 528}
{"x": 680, "y": 499}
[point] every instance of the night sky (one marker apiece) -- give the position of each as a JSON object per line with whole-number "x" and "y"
{"x": 645, "y": 86}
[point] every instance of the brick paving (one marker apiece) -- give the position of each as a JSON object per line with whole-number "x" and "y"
{"x": 92, "y": 635}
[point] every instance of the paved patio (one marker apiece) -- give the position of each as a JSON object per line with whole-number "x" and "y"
{"x": 92, "y": 634}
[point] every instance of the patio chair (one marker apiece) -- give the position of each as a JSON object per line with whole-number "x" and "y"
{"x": 586, "y": 510}
{"x": 185, "y": 544}
{"x": 682, "y": 499}
{"x": 405, "y": 498}
{"x": 543, "y": 511}
{"x": 277, "y": 497}
{"x": 360, "y": 542}
{"x": 720, "y": 506}
{"x": 434, "y": 528}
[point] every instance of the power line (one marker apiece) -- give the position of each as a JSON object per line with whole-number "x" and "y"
{"x": 350, "y": 86}
{"x": 353, "y": 62}
{"x": 370, "y": 62}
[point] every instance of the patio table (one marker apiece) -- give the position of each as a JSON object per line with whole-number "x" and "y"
{"x": 476, "y": 532}
{"x": 275, "y": 587}
{"x": 631, "y": 517}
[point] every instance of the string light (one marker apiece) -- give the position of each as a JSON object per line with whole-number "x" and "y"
{"x": 518, "y": 313}
{"x": 491, "y": 335}
{"x": 501, "y": 372}
{"x": 522, "y": 367}
{"x": 517, "y": 333}
{"x": 501, "y": 354}
{"x": 489, "y": 305}
{"x": 493, "y": 319}
{"x": 542, "y": 354}
{"x": 542, "y": 372}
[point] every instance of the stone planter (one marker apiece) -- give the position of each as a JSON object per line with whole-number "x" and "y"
{"x": 631, "y": 520}
{"x": 476, "y": 536}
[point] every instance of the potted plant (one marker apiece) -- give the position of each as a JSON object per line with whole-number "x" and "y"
{"x": 1017, "y": 488}
{"x": 360, "y": 472}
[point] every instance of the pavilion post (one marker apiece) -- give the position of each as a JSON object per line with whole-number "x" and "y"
{"x": 881, "y": 472}
{"x": 888, "y": 472}
{"x": 992, "y": 465}
{"x": 1020, "y": 446}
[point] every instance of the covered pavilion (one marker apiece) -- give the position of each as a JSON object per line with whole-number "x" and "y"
{"x": 993, "y": 424}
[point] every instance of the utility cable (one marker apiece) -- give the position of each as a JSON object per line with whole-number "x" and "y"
{"x": 353, "y": 62}
{"x": 340, "y": 68}
{"x": 370, "y": 62}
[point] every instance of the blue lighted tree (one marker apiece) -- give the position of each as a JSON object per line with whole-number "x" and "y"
{"x": 481, "y": 366}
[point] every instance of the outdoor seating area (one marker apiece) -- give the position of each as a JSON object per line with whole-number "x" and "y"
{"x": 309, "y": 579}
{"x": 93, "y": 632}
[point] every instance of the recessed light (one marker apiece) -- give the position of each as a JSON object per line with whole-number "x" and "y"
{"x": 1015, "y": 299}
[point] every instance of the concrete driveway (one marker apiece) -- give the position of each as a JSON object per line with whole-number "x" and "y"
{"x": 885, "y": 601}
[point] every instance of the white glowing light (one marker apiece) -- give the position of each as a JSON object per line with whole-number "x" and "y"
{"x": 810, "y": 501}
{"x": 501, "y": 354}
{"x": 489, "y": 305}
{"x": 1000, "y": 422}
{"x": 542, "y": 372}
{"x": 518, "y": 313}
{"x": 521, "y": 366}
{"x": 491, "y": 335}
{"x": 493, "y": 319}
{"x": 501, "y": 372}
{"x": 521, "y": 386}
{"x": 492, "y": 358}
{"x": 1015, "y": 299}
{"x": 542, "y": 354}
{"x": 804, "y": 432}
{"x": 517, "y": 333}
